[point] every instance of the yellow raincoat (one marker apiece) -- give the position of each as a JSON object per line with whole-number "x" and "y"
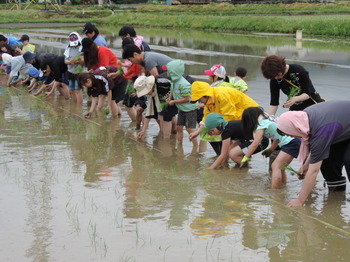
{"x": 224, "y": 100}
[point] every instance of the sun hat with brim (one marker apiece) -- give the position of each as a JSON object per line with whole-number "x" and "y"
{"x": 33, "y": 72}
{"x": 28, "y": 56}
{"x": 213, "y": 120}
{"x": 86, "y": 43}
{"x": 144, "y": 85}
{"x": 216, "y": 70}
{"x": 200, "y": 89}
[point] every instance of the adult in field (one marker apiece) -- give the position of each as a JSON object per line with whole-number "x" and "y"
{"x": 325, "y": 132}
{"x": 56, "y": 68}
{"x": 153, "y": 64}
{"x": 91, "y": 31}
{"x": 129, "y": 31}
{"x": 293, "y": 80}
{"x": 97, "y": 56}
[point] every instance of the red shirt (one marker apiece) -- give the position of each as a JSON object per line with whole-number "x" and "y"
{"x": 106, "y": 58}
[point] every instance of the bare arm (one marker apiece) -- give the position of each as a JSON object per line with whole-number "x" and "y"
{"x": 179, "y": 101}
{"x": 308, "y": 184}
{"x": 296, "y": 99}
{"x": 272, "y": 110}
{"x": 144, "y": 128}
{"x": 54, "y": 86}
{"x": 224, "y": 154}
{"x": 259, "y": 134}
{"x": 274, "y": 145}
{"x": 94, "y": 102}
{"x": 9, "y": 82}
{"x": 154, "y": 72}
{"x": 197, "y": 133}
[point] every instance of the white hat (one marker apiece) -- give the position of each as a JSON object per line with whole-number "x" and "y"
{"x": 6, "y": 58}
{"x": 144, "y": 85}
{"x": 74, "y": 39}
{"x": 217, "y": 70}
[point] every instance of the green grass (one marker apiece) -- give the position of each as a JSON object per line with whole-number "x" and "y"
{"x": 313, "y": 19}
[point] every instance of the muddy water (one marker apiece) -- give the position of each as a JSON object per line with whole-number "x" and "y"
{"x": 77, "y": 190}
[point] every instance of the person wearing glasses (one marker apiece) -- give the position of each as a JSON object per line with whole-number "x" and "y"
{"x": 325, "y": 132}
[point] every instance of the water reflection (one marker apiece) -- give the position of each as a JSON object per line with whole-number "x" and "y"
{"x": 93, "y": 192}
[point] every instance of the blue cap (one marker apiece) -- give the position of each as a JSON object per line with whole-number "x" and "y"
{"x": 33, "y": 72}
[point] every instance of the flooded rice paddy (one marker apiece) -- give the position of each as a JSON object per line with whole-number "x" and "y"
{"x": 79, "y": 190}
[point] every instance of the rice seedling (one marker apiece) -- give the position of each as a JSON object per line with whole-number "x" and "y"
{"x": 125, "y": 258}
{"x": 116, "y": 192}
{"x": 79, "y": 69}
{"x": 293, "y": 92}
{"x": 164, "y": 105}
{"x": 166, "y": 249}
{"x": 287, "y": 167}
{"x": 92, "y": 231}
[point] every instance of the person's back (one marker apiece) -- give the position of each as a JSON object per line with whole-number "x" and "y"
{"x": 91, "y": 31}
{"x": 224, "y": 100}
{"x": 238, "y": 81}
{"x": 28, "y": 47}
{"x": 180, "y": 86}
{"x": 106, "y": 57}
{"x": 153, "y": 59}
{"x": 232, "y": 102}
{"x": 239, "y": 84}
{"x": 99, "y": 40}
{"x": 40, "y": 57}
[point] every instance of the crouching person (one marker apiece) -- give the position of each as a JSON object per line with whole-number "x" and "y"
{"x": 99, "y": 86}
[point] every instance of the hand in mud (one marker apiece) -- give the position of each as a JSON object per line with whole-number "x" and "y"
{"x": 295, "y": 203}
{"x": 267, "y": 152}
{"x": 301, "y": 176}
{"x": 140, "y": 134}
{"x": 244, "y": 162}
{"x": 302, "y": 170}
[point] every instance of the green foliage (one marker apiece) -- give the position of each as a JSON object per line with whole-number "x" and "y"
{"x": 287, "y": 167}
{"x": 293, "y": 92}
{"x": 41, "y": 96}
{"x": 130, "y": 89}
{"x": 164, "y": 105}
{"x": 277, "y": 18}
{"x": 79, "y": 69}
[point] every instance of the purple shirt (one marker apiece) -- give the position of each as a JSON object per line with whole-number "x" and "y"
{"x": 329, "y": 124}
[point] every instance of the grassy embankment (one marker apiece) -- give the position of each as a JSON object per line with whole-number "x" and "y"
{"x": 314, "y": 19}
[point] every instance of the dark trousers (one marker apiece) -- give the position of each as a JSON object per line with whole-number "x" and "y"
{"x": 339, "y": 156}
{"x": 217, "y": 147}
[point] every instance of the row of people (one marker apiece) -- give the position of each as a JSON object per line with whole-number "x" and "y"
{"x": 169, "y": 91}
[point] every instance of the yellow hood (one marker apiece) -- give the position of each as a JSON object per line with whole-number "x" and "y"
{"x": 200, "y": 89}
